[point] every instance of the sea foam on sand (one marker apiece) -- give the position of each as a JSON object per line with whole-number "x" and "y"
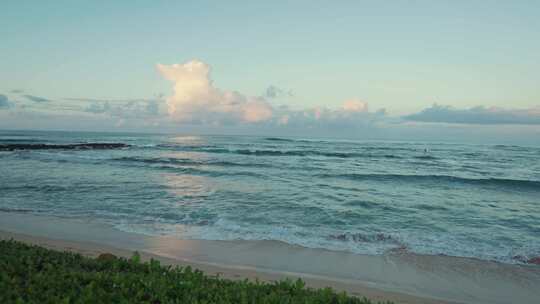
{"x": 397, "y": 276}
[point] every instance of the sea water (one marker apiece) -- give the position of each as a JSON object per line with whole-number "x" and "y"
{"x": 367, "y": 197}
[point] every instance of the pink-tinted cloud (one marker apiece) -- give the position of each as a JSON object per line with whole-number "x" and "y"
{"x": 196, "y": 99}
{"x": 355, "y": 105}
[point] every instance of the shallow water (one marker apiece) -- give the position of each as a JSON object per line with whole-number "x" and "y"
{"x": 361, "y": 196}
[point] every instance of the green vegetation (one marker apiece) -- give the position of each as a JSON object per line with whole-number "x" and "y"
{"x": 32, "y": 274}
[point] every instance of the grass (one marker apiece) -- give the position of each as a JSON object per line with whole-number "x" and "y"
{"x": 32, "y": 274}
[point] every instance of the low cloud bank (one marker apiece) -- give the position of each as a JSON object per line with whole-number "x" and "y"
{"x": 198, "y": 104}
{"x": 137, "y": 108}
{"x": 477, "y": 115}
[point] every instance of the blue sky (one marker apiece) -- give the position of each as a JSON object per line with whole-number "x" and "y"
{"x": 400, "y": 56}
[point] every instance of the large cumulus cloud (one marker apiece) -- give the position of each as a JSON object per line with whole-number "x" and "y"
{"x": 197, "y": 100}
{"x": 477, "y": 115}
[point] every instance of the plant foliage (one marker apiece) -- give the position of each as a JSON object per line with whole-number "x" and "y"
{"x": 32, "y": 274}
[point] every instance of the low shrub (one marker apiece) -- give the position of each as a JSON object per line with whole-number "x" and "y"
{"x": 32, "y": 274}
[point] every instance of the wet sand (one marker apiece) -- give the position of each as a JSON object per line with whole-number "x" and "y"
{"x": 401, "y": 277}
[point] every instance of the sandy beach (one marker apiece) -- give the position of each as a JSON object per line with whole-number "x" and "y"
{"x": 399, "y": 277}
{"x": 295, "y": 152}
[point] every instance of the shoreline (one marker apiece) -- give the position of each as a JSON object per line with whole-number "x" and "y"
{"x": 402, "y": 278}
{"x": 233, "y": 273}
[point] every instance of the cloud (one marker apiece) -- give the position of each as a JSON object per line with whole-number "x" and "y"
{"x": 196, "y": 100}
{"x": 197, "y": 103}
{"x": 98, "y": 107}
{"x": 275, "y": 92}
{"x": 477, "y": 115}
{"x": 353, "y": 114}
{"x": 36, "y": 98}
{"x": 16, "y": 91}
{"x": 4, "y": 102}
{"x": 355, "y": 105}
{"x": 136, "y": 108}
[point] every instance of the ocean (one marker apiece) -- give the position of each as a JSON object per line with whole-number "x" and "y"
{"x": 366, "y": 197}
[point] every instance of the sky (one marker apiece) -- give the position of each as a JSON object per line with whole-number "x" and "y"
{"x": 456, "y": 70}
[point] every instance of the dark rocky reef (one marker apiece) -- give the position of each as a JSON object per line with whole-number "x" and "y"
{"x": 79, "y": 146}
{"x": 535, "y": 260}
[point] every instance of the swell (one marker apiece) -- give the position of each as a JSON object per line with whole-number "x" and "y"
{"x": 277, "y": 153}
{"x": 427, "y": 157}
{"x": 17, "y": 140}
{"x": 78, "y": 146}
{"x": 310, "y": 141}
{"x": 189, "y": 167}
{"x": 309, "y": 153}
{"x": 15, "y": 210}
{"x": 210, "y": 173}
{"x": 522, "y": 184}
{"x": 279, "y": 139}
{"x": 187, "y": 162}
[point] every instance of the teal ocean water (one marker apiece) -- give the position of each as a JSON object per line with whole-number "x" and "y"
{"x": 366, "y": 197}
